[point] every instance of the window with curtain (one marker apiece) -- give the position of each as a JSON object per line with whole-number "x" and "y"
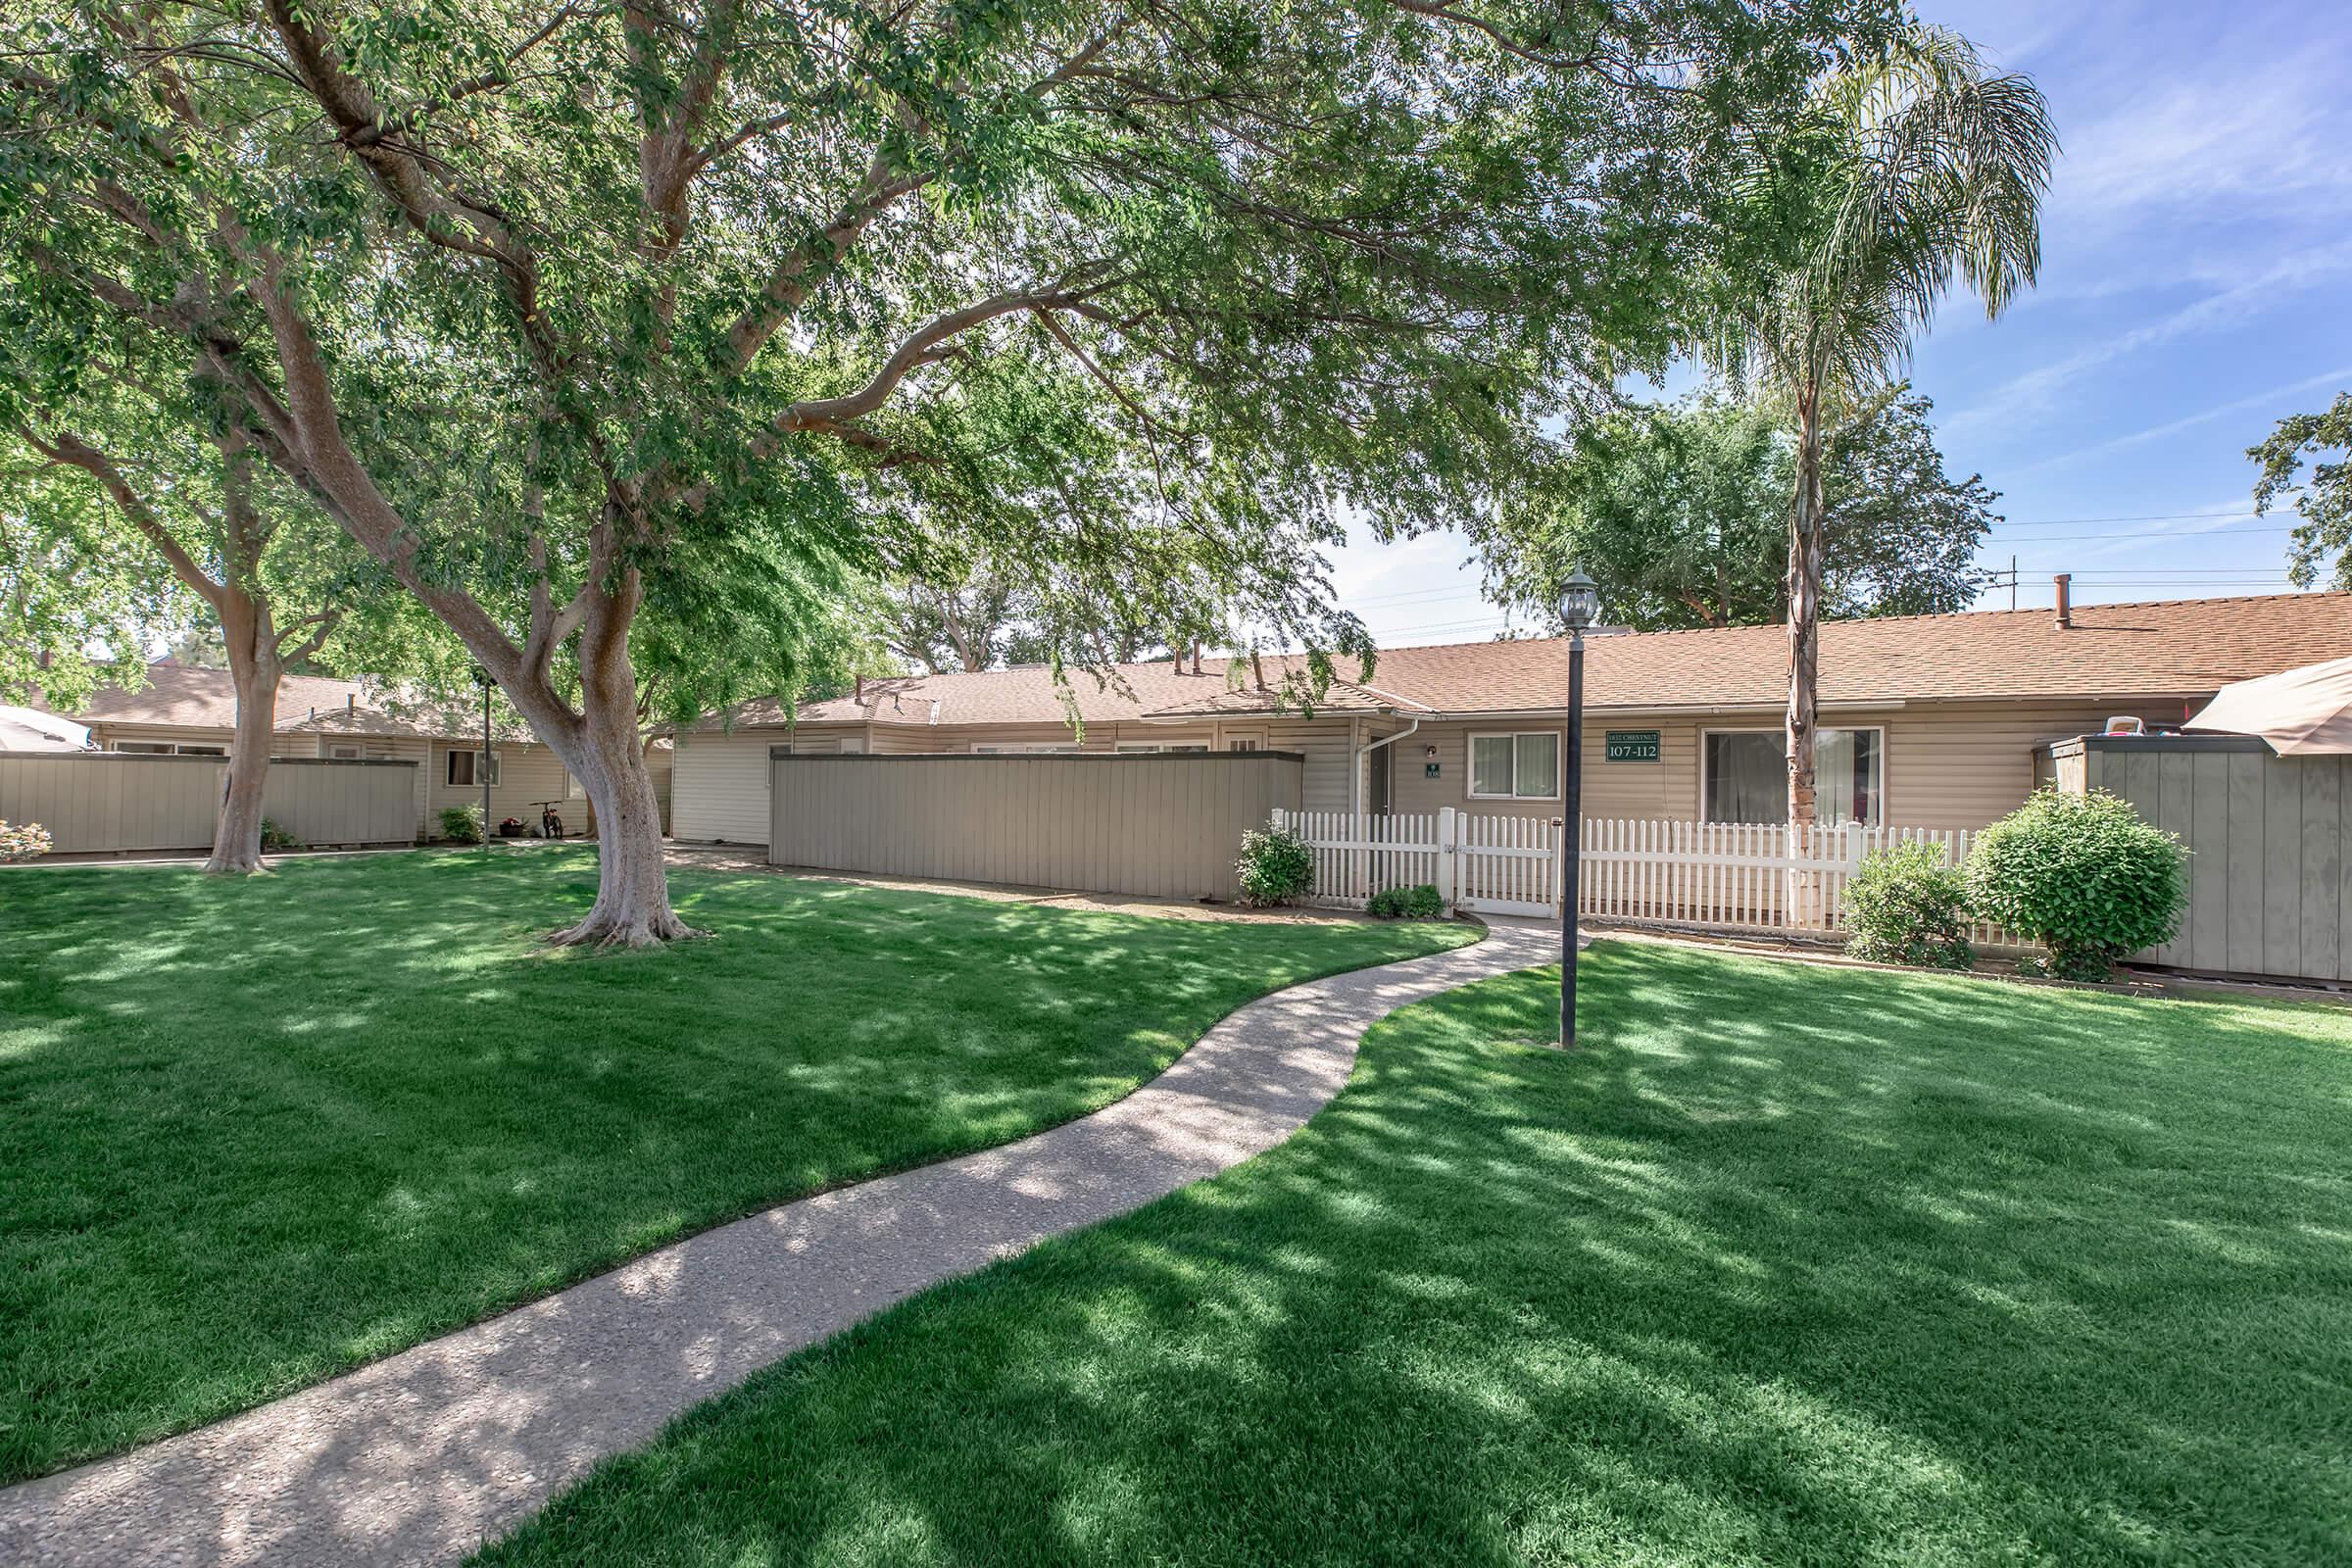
{"x": 1524, "y": 767}
{"x": 1748, "y": 776}
{"x": 469, "y": 769}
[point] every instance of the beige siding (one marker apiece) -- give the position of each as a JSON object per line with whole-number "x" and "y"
{"x": 1947, "y": 765}
{"x": 1154, "y": 827}
{"x": 718, "y": 787}
{"x": 527, "y": 772}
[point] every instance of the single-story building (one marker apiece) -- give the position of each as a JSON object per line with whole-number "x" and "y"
{"x": 189, "y": 709}
{"x": 1926, "y": 720}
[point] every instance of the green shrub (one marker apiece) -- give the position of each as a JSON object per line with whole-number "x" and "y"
{"x": 27, "y": 841}
{"x": 275, "y": 837}
{"x": 2082, "y": 875}
{"x": 461, "y": 824}
{"x": 1275, "y": 869}
{"x": 1909, "y": 904}
{"x": 1421, "y": 902}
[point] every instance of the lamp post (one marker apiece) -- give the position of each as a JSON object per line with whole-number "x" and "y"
{"x": 1580, "y": 603}
{"x": 482, "y": 763}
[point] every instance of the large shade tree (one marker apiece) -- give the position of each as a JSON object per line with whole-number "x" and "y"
{"x": 178, "y": 490}
{"x": 2322, "y": 502}
{"x": 1681, "y": 512}
{"x": 625, "y": 333}
{"x": 1918, "y": 170}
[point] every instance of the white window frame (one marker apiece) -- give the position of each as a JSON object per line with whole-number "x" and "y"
{"x": 1024, "y": 749}
{"x": 1152, "y": 748}
{"x": 1470, "y": 789}
{"x": 1705, "y": 811}
{"x": 343, "y": 753}
{"x": 481, "y": 760}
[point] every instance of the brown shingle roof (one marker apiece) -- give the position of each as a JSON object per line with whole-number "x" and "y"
{"x": 2168, "y": 647}
{"x": 198, "y": 697}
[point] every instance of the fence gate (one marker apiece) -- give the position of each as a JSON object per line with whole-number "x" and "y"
{"x": 1484, "y": 865}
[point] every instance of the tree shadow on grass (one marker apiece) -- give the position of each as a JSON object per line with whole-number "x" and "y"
{"x": 258, "y": 1131}
{"x": 1786, "y": 1265}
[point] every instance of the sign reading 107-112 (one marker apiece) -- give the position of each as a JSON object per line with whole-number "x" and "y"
{"x": 1632, "y": 745}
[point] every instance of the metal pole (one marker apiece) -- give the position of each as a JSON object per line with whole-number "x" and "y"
{"x": 1574, "y": 828}
{"x": 485, "y": 764}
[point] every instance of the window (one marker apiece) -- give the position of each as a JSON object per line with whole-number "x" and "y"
{"x": 1142, "y": 748}
{"x": 201, "y": 751}
{"x": 573, "y": 789}
{"x": 142, "y": 749}
{"x": 343, "y": 753}
{"x": 1748, "y": 776}
{"x": 1243, "y": 744}
{"x": 1524, "y": 767}
{"x": 472, "y": 769}
{"x": 1024, "y": 750}
{"x": 852, "y": 746}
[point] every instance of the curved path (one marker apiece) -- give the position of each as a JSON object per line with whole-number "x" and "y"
{"x": 419, "y": 1457}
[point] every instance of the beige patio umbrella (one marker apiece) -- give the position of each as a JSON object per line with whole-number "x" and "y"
{"x": 2305, "y": 711}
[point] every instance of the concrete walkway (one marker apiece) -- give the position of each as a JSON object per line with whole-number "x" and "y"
{"x": 421, "y": 1457}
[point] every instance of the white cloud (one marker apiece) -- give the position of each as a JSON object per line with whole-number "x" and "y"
{"x": 2265, "y": 285}
{"x": 2157, "y": 432}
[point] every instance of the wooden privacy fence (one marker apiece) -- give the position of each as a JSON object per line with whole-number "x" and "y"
{"x": 1486, "y": 864}
{"x": 1156, "y": 824}
{"x": 105, "y": 803}
{"x": 2269, "y": 841}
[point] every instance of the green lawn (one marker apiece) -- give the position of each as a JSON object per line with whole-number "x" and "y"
{"x": 253, "y": 1133}
{"x": 1790, "y": 1265}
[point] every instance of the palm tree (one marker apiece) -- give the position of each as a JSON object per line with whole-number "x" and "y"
{"x": 1915, "y": 171}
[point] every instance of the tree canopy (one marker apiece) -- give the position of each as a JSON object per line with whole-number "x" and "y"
{"x": 2323, "y": 502}
{"x": 627, "y": 334}
{"x": 1681, "y": 513}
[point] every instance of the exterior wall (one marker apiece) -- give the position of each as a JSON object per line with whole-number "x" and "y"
{"x": 1947, "y": 765}
{"x": 2269, "y": 838}
{"x": 718, "y": 787}
{"x": 527, "y": 772}
{"x": 107, "y": 735}
{"x": 1045, "y": 822}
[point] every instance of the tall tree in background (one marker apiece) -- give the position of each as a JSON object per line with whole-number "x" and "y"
{"x": 75, "y": 608}
{"x": 612, "y": 330}
{"x": 1917, "y": 170}
{"x": 1682, "y": 512}
{"x": 2324, "y": 503}
{"x": 186, "y": 493}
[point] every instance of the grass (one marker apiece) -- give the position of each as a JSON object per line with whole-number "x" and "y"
{"x": 253, "y": 1133}
{"x": 1788, "y": 1265}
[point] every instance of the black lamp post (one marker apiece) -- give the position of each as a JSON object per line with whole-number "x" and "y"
{"x": 482, "y": 763}
{"x": 1580, "y": 603}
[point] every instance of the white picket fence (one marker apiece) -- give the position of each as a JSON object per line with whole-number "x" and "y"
{"x": 1739, "y": 877}
{"x": 1710, "y": 875}
{"x": 1486, "y": 864}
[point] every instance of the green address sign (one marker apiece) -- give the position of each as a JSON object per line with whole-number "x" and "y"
{"x": 1632, "y": 745}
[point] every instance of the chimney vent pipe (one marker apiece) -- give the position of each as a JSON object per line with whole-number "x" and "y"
{"x": 2064, "y": 581}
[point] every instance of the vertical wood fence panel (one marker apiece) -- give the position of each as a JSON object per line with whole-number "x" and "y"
{"x": 115, "y": 802}
{"x": 2269, "y": 841}
{"x": 1157, "y": 825}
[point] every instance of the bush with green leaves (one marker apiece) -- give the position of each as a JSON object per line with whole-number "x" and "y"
{"x": 1908, "y": 903}
{"x": 2082, "y": 875}
{"x": 276, "y": 837}
{"x": 1275, "y": 867}
{"x": 1421, "y": 902}
{"x": 461, "y": 824}
{"x": 25, "y": 841}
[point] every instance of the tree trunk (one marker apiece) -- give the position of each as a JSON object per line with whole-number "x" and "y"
{"x": 606, "y": 753}
{"x": 1804, "y": 649}
{"x": 254, "y": 669}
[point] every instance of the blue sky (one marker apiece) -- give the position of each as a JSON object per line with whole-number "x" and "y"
{"x": 2196, "y": 286}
